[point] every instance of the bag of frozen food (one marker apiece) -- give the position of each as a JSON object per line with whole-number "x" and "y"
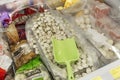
{"x": 33, "y": 70}
{"x": 22, "y": 53}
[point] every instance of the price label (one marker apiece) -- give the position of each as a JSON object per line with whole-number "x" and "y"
{"x": 115, "y": 72}
{"x": 97, "y": 78}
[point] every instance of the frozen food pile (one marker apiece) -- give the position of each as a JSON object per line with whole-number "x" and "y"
{"x": 59, "y": 39}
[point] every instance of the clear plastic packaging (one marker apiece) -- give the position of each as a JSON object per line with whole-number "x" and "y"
{"x": 85, "y": 47}
{"x": 20, "y": 11}
{"x": 70, "y": 8}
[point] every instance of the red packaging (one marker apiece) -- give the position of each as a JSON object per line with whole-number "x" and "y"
{"x": 2, "y": 74}
{"x": 20, "y": 17}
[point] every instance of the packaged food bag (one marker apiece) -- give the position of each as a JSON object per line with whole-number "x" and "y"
{"x": 20, "y": 50}
{"x": 22, "y": 53}
{"x": 33, "y": 70}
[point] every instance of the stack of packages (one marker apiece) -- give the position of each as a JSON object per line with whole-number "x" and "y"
{"x": 27, "y": 63}
{"x": 5, "y": 58}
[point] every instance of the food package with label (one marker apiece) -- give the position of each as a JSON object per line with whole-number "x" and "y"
{"x": 22, "y": 53}
{"x": 20, "y": 50}
{"x": 33, "y": 70}
{"x": 50, "y": 24}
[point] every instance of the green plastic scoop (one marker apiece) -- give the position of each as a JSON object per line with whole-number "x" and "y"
{"x": 65, "y": 52}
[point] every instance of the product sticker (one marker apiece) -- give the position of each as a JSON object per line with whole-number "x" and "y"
{"x": 97, "y": 78}
{"x": 38, "y": 78}
{"x": 1, "y": 49}
{"x": 115, "y": 72}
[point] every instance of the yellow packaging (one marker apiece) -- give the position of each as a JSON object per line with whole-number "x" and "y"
{"x": 69, "y": 3}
